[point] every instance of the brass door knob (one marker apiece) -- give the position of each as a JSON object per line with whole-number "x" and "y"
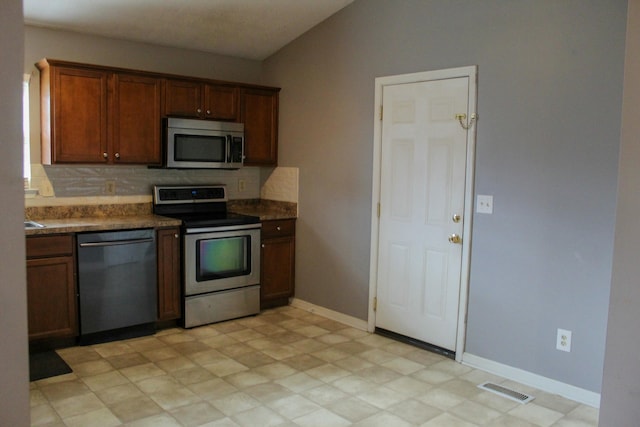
{"x": 454, "y": 238}
{"x": 456, "y": 218}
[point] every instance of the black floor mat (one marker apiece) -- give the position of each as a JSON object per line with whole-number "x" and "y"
{"x": 46, "y": 364}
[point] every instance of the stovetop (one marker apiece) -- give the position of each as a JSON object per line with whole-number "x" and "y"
{"x": 216, "y": 219}
{"x": 197, "y": 206}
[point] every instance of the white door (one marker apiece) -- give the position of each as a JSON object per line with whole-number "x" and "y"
{"x": 423, "y": 157}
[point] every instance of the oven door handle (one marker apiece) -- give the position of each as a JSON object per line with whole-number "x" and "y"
{"x": 222, "y": 228}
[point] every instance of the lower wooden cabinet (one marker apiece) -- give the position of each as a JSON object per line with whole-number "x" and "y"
{"x": 277, "y": 275}
{"x": 169, "y": 287}
{"x": 52, "y": 292}
{"x": 51, "y": 287}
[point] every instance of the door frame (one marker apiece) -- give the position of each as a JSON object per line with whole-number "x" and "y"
{"x": 471, "y": 72}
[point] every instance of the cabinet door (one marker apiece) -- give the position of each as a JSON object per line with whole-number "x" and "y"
{"x": 221, "y": 102}
{"x": 183, "y": 98}
{"x": 78, "y": 118}
{"x": 260, "y": 117}
{"x": 277, "y": 275}
{"x": 136, "y": 119}
{"x": 169, "y": 286}
{"x": 51, "y": 296}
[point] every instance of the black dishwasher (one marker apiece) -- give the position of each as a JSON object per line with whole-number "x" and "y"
{"x": 117, "y": 283}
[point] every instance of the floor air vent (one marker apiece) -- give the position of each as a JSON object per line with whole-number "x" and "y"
{"x": 506, "y": 392}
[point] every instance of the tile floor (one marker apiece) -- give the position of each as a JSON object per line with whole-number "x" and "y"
{"x": 285, "y": 367}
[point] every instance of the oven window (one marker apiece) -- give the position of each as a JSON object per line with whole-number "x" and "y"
{"x": 199, "y": 148}
{"x": 223, "y": 257}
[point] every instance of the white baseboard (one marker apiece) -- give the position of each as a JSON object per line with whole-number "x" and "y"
{"x": 533, "y": 380}
{"x": 354, "y": 322}
{"x": 524, "y": 377}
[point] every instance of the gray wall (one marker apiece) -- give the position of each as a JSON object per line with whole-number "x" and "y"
{"x": 621, "y": 384}
{"x": 70, "y": 46}
{"x": 14, "y": 375}
{"x": 549, "y": 100}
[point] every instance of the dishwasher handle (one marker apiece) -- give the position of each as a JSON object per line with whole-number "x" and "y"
{"x": 115, "y": 243}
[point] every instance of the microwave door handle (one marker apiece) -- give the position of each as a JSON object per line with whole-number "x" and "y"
{"x": 228, "y": 148}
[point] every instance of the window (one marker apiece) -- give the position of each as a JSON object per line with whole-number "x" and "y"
{"x": 26, "y": 164}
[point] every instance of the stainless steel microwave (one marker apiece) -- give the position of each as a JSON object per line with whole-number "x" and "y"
{"x": 203, "y": 144}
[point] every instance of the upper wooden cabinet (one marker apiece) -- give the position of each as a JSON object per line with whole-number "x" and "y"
{"x": 73, "y": 114}
{"x": 103, "y": 115}
{"x": 259, "y": 113}
{"x": 195, "y": 99}
{"x": 136, "y": 131}
{"x": 93, "y": 115}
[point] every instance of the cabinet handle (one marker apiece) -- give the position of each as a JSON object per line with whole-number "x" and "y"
{"x": 176, "y": 235}
{"x": 208, "y": 112}
{"x": 105, "y": 155}
{"x": 278, "y": 228}
{"x": 262, "y": 245}
{"x": 117, "y": 155}
{"x": 198, "y": 110}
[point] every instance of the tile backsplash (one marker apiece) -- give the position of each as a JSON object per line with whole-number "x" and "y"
{"x": 86, "y": 185}
{"x": 281, "y": 185}
{"x": 96, "y": 181}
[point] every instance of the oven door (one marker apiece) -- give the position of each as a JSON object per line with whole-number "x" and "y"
{"x": 220, "y": 258}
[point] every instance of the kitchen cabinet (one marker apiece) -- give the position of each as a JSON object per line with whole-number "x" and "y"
{"x": 259, "y": 113}
{"x": 94, "y": 115}
{"x": 73, "y": 114}
{"x": 277, "y": 274}
{"x": 51, "y": 287}
{"x": 169, "y": 284}
{"x": 135, "y": 123}
{"x": 195, "y": 99}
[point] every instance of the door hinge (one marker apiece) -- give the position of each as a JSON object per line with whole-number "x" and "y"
{"x": 375, "y": 303}
{"x": 381, "y": 113}
{"x": 378, "y": 210}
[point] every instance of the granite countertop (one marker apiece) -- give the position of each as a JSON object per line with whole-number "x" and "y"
{"x": 77, "y": 225}
{"x": 76, "y": 219}
{"x": 264, "y": 209}
{"x": 81, "y": 218}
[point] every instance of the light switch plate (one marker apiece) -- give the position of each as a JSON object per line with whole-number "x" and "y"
{"x": 484, "y": 204}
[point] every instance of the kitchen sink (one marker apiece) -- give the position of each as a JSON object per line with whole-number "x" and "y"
{"x": 33, "y": 224}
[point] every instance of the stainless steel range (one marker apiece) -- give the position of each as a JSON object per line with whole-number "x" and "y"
{"x": 220, "y": 253}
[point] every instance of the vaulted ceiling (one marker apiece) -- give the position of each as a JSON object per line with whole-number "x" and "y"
{"x": 251, "y": 29}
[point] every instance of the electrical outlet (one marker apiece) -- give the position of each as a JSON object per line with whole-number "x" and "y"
{"x": 110, "y": 187}
{"x": 241, "y": 185}
{"x": 563, "y": 340}
{"x": 484, "y": 204}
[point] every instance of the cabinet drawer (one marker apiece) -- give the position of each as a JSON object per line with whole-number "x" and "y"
{"x": 46, "y": 246}
{"x": 278, "y": 228}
